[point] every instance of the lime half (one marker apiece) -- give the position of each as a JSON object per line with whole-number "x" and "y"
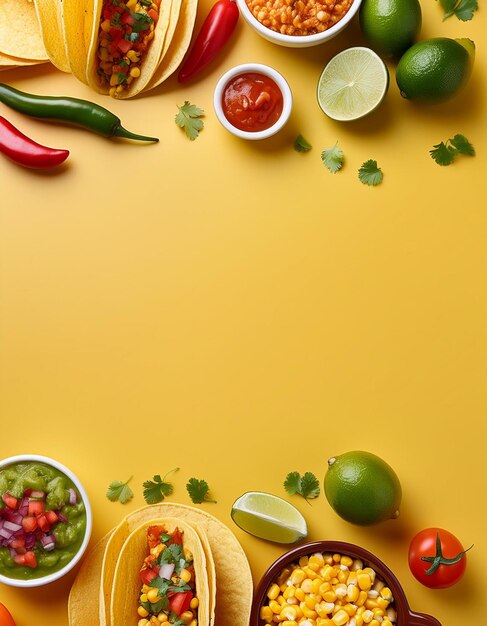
{"x": 353, "y": 83}
{"x": 269, "y": 517}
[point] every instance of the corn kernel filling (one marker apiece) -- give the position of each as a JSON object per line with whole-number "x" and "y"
{"x": 328, "y": 590}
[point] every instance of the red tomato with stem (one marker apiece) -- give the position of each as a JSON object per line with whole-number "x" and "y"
{"x": 437, "y": 558}
{"x": 5, "y": 618}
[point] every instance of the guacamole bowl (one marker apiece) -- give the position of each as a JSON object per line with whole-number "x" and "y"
{"x": 45, "y": 520}
{"x": 336, "y": 558}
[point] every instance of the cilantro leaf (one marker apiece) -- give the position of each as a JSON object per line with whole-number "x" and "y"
{"x": 445, "y": 153}
{"x": 142, "y": 22}
{"x": 463, "y": 145}
{"x": 463, "y": 9}
{"x": 157, "y": 489}
{"x": 117, "y": 490}
{"x": 292, "y": 484}
{"x": 188, "y": 119}
{"x": 333, "y": 158}
{"x": 306, "y": 485}
{"x": 198, "y": 491}
{"x": 370, "y": 173}
{"x": 301, "y": 145}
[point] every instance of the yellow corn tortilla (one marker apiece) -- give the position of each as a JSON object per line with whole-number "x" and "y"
{"x": 126, "y": 582}
{"x": 8, "y": 62}
{"x": 20, "y": 34}
{"x": 49, "y": 14}
{"x": 83, "y": 602}
{"x": 148, "y": 64}
{"x": 77, "y": 20}
{"x": 180, "y": 41}
{"x": 233, "y": 588}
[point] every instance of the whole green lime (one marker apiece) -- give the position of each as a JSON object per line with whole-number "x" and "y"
{"x": 390, "y": 26}
{"x": 362, "y": 488}
{"x": 435, "y": 70}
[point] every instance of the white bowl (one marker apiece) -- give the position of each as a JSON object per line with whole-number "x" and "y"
{"x": 258, "y": 68}
{"x": 49, "y": 578}
{"x": 297, "y": 41}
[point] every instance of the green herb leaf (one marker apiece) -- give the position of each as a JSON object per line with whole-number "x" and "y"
{"x": 142, "y": 22}
{"x": 301, "y": 145}
{"x": 188, "y": 119}
{"x": 198, "y": 491}
{"x": 307, "y": 485}
{"x": 463, "y": 145}
{"x": 370, "y": 173}
{"x": 158, "y": 488}
{"x": 463, "y": 9}
{"x": 333, "y": 158}
{"x": 117, "y": 490}
{"x": 445, "y": 153}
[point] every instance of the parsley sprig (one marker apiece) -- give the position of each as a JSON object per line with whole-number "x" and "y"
{"x": 158, "y": 488}
{"x": 306, "y": 485}
{"x": 117, "y": 490}
{"x": 446, "y": 152}
{"x": 198, "y": 491}
{"x": 189, "y": 120}
{"x": 463, "y": 9}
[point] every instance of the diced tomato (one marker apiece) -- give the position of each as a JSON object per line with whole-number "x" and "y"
{"x": 124, "y": 45}
{"x": 153, "y": 14}
{"x": 153, "y": 535}
{"x": 29, "y": 524}
{"x": 52, "y": 517}
{"x": 146, "y": 575}
{"x": 179, "y": 602}
{"x": 43, "y": 523}
{"x": 177, "y": 537}
{"x": 28, "y": 559}
{"x": 9, "y": 500}
{"x": 18, "y": 544}
{"x": 36, "y": 507}
{"x": 127, "y": 18}
{"x": 115, "y": 32}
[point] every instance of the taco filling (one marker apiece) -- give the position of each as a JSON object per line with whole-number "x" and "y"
{"x": 125, "y": 34}
{"x": 168, "y": 593}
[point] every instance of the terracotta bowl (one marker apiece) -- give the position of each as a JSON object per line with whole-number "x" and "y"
{"x": 405, "y": 616}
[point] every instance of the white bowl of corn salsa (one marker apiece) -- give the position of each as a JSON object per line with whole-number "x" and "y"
{"x": 298, "y": 23}
{"x": 332, "y": 583}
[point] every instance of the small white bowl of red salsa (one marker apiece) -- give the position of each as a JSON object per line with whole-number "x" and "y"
{"x": 45, "y": 520}
{"x": 252, "y": 101}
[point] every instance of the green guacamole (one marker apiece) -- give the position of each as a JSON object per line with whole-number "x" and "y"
{"x": 17, "y": 480}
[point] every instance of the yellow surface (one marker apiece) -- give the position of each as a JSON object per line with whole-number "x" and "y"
{"x": 236, "y": 310}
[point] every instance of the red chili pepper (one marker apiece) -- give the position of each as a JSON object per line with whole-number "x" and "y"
{"x": 214, "y": 34}
{"x": 25, "y": 151}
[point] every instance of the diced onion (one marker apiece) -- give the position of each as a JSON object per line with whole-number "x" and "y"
{"x": 73, "y": 497}
{"x": 166, "y": 570}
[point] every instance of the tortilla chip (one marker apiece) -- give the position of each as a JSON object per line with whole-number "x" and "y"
{"x": 126, "y": 582}
{"x": 8, "y": 62}
{"x": 52, "y": 31}
{"x": 179, "y": 44}
{"x": 20, "y": 34}
{"x": 83, "y": 603}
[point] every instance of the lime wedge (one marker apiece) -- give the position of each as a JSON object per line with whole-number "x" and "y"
{"x": 353, "y": 83}
{"x": 269, "y": 517}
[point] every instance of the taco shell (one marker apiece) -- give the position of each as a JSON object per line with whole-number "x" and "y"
{"x": 126, "y": 582}
{"x": 20, "y": 35}
{"x": 49, "y": 14}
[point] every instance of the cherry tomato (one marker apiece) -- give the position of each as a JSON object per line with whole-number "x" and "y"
{"x": 5, "y": 618}
{"x": 437, "y": 558}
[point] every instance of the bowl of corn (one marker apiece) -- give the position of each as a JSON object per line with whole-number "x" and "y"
{"x": 332, "y": 583}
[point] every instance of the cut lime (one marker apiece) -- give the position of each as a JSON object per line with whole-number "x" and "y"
{"x": 269, "y": 517}
{"x": 353, "y": 83}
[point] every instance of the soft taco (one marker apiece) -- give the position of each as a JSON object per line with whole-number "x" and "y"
{"x": 161, "y": 576}
{"x": 127, "y": 39}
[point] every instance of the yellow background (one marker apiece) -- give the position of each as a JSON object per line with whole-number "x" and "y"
{"x": 234, "y": 309}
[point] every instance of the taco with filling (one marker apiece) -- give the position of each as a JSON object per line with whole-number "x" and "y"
{"x": 127, "y": 38}
{"x": 161, "y": 577}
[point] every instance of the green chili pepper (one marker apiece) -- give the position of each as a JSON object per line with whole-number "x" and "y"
{"x": 69, "y": 110}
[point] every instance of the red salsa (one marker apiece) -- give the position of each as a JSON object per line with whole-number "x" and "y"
{"x": 252, "y": 102}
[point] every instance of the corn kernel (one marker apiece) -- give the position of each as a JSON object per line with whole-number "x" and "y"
{"x": 346, "y": 560}
{"x": 364, "y": 581}
{"x": 288, "y": 613}
{"x": 143, "y": 622}
{"x": 275, "y": 607}
{"x": 266, "y": 614}
{"x": 153, "y": 595}
{"x": 273, "y": 592}
{"x": 289, "y": 592}
{"x": 194, "y": 604}
{"x": 162, "y": 617}
{"x": 135, "y": 72}
{"x": 368, "y": 616}
{"x": 184, "y": 574}
{"x": 340, "y": 618}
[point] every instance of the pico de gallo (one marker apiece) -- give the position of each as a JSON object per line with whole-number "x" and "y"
{"x": 168, "y": 592}
{"x": 42, "y": 520}
{"x": 125, "y": 33}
